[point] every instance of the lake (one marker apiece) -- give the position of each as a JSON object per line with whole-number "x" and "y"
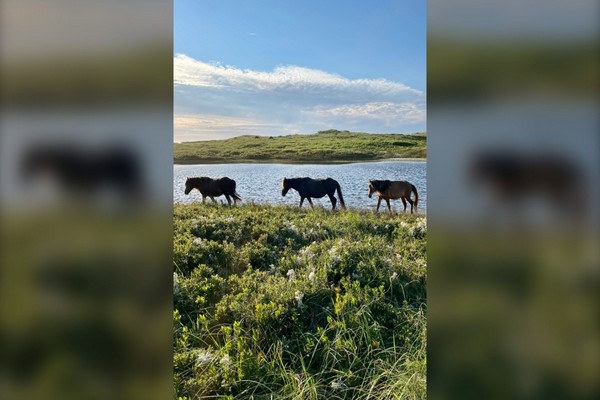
{"x": 261, "y": 183}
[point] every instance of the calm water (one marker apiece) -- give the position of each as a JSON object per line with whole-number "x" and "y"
{"x": 261, "y": 183}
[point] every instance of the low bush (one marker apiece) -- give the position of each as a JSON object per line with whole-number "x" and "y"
{"x": 282, "y": 302}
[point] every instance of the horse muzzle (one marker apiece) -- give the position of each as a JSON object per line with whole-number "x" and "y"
{"x": 283, "y": 192}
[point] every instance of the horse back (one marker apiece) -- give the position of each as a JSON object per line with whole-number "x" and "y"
{"x": 397, "y": 189}
{"x": 208, "y": 186}
{"x": 226, "y": 185}
{"x": 316, "y": 188}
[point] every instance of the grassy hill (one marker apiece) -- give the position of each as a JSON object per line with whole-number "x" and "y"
{"x": 281, "y": 302}
{"x": 324, "y": 146}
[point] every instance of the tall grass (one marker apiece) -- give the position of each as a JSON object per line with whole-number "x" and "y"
{"x": 281, "y": 302}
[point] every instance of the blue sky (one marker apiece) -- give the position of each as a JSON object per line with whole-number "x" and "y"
{"x": 267, "y": 67}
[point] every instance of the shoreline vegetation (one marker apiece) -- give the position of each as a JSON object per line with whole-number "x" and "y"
{"x": 324, "y": 147}
{"x": 275, "y": 301}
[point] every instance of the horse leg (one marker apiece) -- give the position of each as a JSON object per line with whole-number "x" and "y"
{"x": 378, "y": 203}
{"x": 203, "y": 198}
{"x": 310, "y": 202}
{"x": 301, "y": 201}
{"x": 228, "y": 199}
{"x": 388, "y": 204}
{"x": 333, "y": 200}
{"x": 213, "y": 199}
{"x": 411, "y": 204}
{"x": 404, "y": 203}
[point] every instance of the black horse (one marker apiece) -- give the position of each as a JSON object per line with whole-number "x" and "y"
{"x": 511, "y": 177}
{"x": 83, "y": 170}
{"x": 213, "y": 187}
{"x": 313, "y": 188}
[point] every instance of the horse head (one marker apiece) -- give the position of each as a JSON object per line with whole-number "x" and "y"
{"x": 285, "y": 187}
{"x": 188, "y": 186}
{"x": 372, "y": 188}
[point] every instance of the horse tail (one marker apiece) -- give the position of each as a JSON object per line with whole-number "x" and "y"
{"x": 339, "y": 191}
{"x": 235, "y": 194}
{"x": 414, "y": 190}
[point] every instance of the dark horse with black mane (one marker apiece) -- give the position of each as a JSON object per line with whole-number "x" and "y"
{"x": 80, "y": 169}
{"x": 213, "y": 188}
{"x": 313, "y": 188}
{"x": 387, "y": 190}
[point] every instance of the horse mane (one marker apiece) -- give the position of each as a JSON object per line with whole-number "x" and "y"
{"x": 293, "y": 180}
{"x": 381, "y": 186}
{"x": 196, "y": 179}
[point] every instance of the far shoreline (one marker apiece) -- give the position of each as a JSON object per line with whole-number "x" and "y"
{"x": 292, "y": 162}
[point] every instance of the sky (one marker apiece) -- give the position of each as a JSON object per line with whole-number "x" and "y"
{"x": 279, "y": 67}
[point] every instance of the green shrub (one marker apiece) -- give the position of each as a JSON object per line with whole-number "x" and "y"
{"x": 283, "y": 302}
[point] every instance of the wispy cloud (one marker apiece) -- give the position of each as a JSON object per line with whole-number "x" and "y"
{"x": 213, "y": 99}
{"x": 208, "y": 127}
{"x": 407, "y": 112}
{"x": 188, "y": 71}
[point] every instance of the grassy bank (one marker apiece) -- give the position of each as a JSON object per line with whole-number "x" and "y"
{"x": 325, "y": 146}
{"x": 281, "y": 302}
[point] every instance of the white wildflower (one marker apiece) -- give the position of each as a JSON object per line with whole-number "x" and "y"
{"x": 311, "y": 276}
{"x": 306, "y": 252}
{"x": 225, "y": 361}
{"x": 338, "y": 384}
{"x": 394, "y": 276}
{"x": 291, "y": 274}
{"x": 198, "y": 241}
{"x": 420, "y": 228}
{"x": 299, "y": 296}
{"x": 175, "y": 283}
{"x": 203, "y": 357}
{"x": 334, "y": 260}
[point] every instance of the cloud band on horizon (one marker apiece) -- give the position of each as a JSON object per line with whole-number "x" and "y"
{"x": 287, "y": 99}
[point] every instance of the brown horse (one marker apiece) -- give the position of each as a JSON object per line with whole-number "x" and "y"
{"x": 213, "y": 188}
{"x": 394, "y": 190}
{"x": 315, "y": 188}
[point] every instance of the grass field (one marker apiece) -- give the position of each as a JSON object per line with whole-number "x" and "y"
{"x": 324, "y": 146}
{"x": 281, "y": 302}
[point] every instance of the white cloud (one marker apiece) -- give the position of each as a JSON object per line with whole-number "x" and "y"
{"x": 188, "y": 71}
{"x": 213, "y": 100}
{"x": 385, "y": 111}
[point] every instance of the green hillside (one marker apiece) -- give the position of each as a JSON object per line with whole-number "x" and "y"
{"x": 324, "y": 146}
